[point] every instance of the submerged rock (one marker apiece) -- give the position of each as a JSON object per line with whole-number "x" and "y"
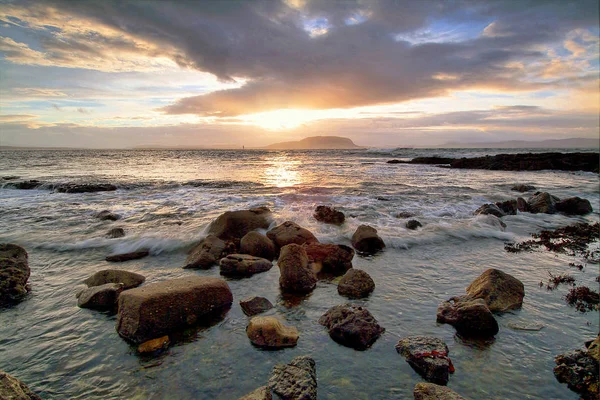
{"x": 13, "y": 389}
{"x": 329, "y": 215}
{"x": 500, "y": 291}
{"x": 296, "y": 275}
{"x": 490, "y": 209}
{"x": 14, "y": 273}
{"x": 333, "y": 259}
{"x": 25, "y": 185}
{"x": 356, "y": 284}
{"x": 270, "y": 332}
{"x": 574, "y": 206}
{"x": 470, "y": 317}
{"x": 523, "y": 188}
{"x": 579, "y": 370}
{"x": 366, "y": 240}
{"x": 107, "y": 215}
{"x": 102, "y": 297}
{"x": 296, "y": 380}
{"x": 236, "y": 224}
{"x": 255, "y": 305}
{"x": 522, "y": 205}
{"x": 153, "y": 345}
{"x": 85, "y": 187}
{"x": 157, "y": 309}
{"x": 431, "y": 391}
{"x": 428, "y": 356}
{"x": 508, "y": 207}
{"x": 542, "y": 202}
{"x": 134, "y": 255}
{"x": 289, "y": 232}
{"x": 206, "y": 253}
{"x": 413, "y": 224}
{"x": 262, "y": 393}
{"x": 351, "y": 326}
{"x": 115, "y": 233}
{"x": 243, "y": 265}
{"x": 257, "y": 244}
{"x": 128, "y": 279}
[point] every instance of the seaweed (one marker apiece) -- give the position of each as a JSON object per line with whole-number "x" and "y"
{"x": 583, "y": 299}
{"x": 556, "y": 280}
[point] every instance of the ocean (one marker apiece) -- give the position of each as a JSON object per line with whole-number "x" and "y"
{"x": 166, "y": 199}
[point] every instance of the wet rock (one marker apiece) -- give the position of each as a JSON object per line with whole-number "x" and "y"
{"x": 329, "y": 215}
{"x": 14, "y": 273}
{"x": 243, "y": 265}
{"x": 428, "y": 356}
{"x": 574, "y": 206}
{"x": 296, "y": 275}
{"x": 134, "y": 255}
{"x": 270, "y": 332}
{"x": 489, "y": 220}
{"x": 10, "y": 177}
{"x": 153, "y": 345}
{"x": 404, "y": 214}
{"x": 102, "y": 297}
{"x": 206, "y": 253}
{"x": 431, "y": 391}
{"x": 356, "y": 284}
{"x": 523, "y": 188}
{"x": 257, "y": 244}
{"x": 351, "y": 326}
{"x": 396, "y": 162}
{"x": 107, "y": 215}
{"x": 296, "y": 380}
{"x": 157, "y": 309}
{"x": 470, "y": 317}
{"x": 255, "y": 305}
{"x": 331, "y": 259}
{"x": 593, "y": 348}
{"x": 289, "y": 232}
{"x": 431, "y": 160}
{"x": 236, "y": 224}
{"x": 508, "y": 207}
{"x": 84, "y": 187}
{"x": 542, "y": 202}
{"x": 13, "y": 389}
{"x": 532, "y": 162}
{"x": 500, "y": 291}
{"x": 490, "y": 209}
{"x": 128, "y": 279}
{"x": 413, "y": 224}
{"x": 25, "y": 185}
{"x": 262, "y": 393}
{"x": 366, "y": 240}
{"x": 115, "y": 233}
{"x": 579, "y": 370}
{"x": 522, "y": 205}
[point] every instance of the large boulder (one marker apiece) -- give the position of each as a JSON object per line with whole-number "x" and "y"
{"x": 580, "y": 371}
{"x": 257, "y": 244}
{"x": 366, "y": 240}
{"x": 542, "y": 202}
{"x": 128, "y": 279}
{"x": 296, "y": 276}
{"x": 431, "y": 391}
{"x": 491, "y": 209}
{"x": 574, "y": 206}
{"x": 236, "y": 224}
{"x": 500, "y": 291}
{"x": 102, "y": 297}
{"x": 509, "y": 207}
{"x": 289, "y": 232}
{"x": 206, "y": 253}
{"x": 329, "y": 215}
{"x": 255, "y": 305}
{"x": 134, "y": 255}
{"x": 470, "y": 317}
{"x": 158, "y": 309}
{"x": 356, "y": 284}
{"x": 270, "y": 332}
{"x": 13, "y": 389}
{"x": 14, "y": 273}
{"x": 428, "y": 356}
{"x": 243, "y": 265}
{"x": 296, "y": 380}
{"x": 351, "y": 326}
{"x": 333, "y": 259}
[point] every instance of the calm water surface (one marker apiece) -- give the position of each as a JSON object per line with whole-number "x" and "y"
{"x": 166, "y": 200}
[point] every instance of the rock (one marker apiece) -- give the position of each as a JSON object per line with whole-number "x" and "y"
{"x": 103, "y": 297}
{"x": 157, "y": 309}
{"x": 255, "y": 305}
{"x": 333, "y": 259}
{"x": 84, "y": 188}
{"x": 522, "y": 188}
{"x": 470, "y": 317}
{"x": 236, "y": 224}
{"x": 500, "y": 291}
{"x": 296, "y": 275}
{"x": 431, "y": 391}
{"x": 508, "y": 207}
{"x": 396, "y": 162}
{"x": 543, "y": 202}
{"x": 351, "y": 326}
{"x": 356, "y": 284}
{"x": 257, "y": 244}
{"x": 574, "y": 206}
{"x": 270, "y": 332}
{"x": 134, "y": 255}
{"x": 490, "y": 209}
{"x": 25, "y": 185}
{"x": 594, "y": 348}
{"x": 413, "y": 224}
{"x": 428, "y": 356}
{"x": 366, "y": 240}
{"x": 404, "y": 214}
{"x": 13, "y": 389}
{"x": 329, "y": 215}
{"x": 243, "y": 265}
{"x": 579, "y": 370}
{"x": 115, "y": 233}
{"x": 153, "y": 345}
{"x": 522, "y": 205}
{"x": 14, "y": 273}
{"x": 296, "y": 380}
{"x": 262, "y": 393}
{"x": 432, "y": 160}
{"x": 532, "y": 162}
{"x": 289, "y": 232}
{"x": 128, "y": 279}
{"x": 106, "y": 215}
{"x": 206, "y": 253}
{"x": 489, "y": 220}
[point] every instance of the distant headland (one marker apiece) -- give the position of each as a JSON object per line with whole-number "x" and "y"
{"x": 316, "y": 143}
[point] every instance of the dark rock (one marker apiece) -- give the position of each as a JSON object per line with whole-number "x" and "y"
{"x": 490, "y": 209}
{"x": 103, "y": 297}
{"x": 404, "y": 214}
{"x": 296, "y": 380}
{"x": 25, "y": 185}
{"x": 289, "y": 232}
{"x": 509, "y": 207}
{"x": 396, "y": 162}
{"x": 262, "y": 393}
{"x": 236, "y": 224}
{"x": 522, "y": 188}
{"x": 351, "y": 326}
{"x": 107, "y": 215}
{"x": 13, "y": 389}
{"x": 334, "y": 259}
{"x": 431, "y": 391}
{"x": 157, "y": 309}
{"x": 243, "y": 265}
{"x": 366, "y": 240}
{"x": 128, "y": 279}
{"x": 329, "y": 215}
{"x": 356, "y": 284}
{"x": 413, "y": 224}
{"x": 269, "y": 332}
{"x": 9, "y": 178}
{"x": 579, "y": 370}
{"x": 522, "y": 205}
{"x": 134, "y": 255}
{"x": 84, "y": 187}
{"x": 257, "y": 244}
{"x": 500, "y": 291}
{"x": 428, "y": 356}
{"x": 115, "y": 233}
{"x": 543, "y": 202}
{"x": 490, "y": 220}
{"x": 206, "y": 253}
{"x": 296, "y": 275}
{"x": 470, "y": 317}
{"x": 14, "y": 273}
{"x": 532, "y": 162}
{"x": 574, "y": 206}
{"x": 255, "y": 305}
{"x": 432, "y": 160}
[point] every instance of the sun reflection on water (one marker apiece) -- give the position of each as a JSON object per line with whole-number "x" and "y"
{"x": 282, "y": 171}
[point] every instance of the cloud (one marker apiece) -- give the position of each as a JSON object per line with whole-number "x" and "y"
{"x": 39, "y": 92}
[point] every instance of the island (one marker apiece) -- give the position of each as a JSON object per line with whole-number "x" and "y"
{"x": 316, "y": 143}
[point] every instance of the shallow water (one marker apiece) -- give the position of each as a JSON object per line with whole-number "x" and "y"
{"x": 167, "y": 198}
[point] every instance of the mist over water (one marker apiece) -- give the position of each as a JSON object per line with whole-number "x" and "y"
{"x": 167, "y": 198}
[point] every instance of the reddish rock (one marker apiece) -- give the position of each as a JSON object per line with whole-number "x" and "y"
{"x": 329, "y": 215}
{"x": 289, "y": 232}
{"x": 333, "y": 259}
{"x": 257, "y": 244}
{"x": 366, "y": 240}
{"x": 296, "y": 275}
{"x": 236, "y": 224}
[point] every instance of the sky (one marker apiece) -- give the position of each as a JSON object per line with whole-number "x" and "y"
{"x": 119, "y": 74}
